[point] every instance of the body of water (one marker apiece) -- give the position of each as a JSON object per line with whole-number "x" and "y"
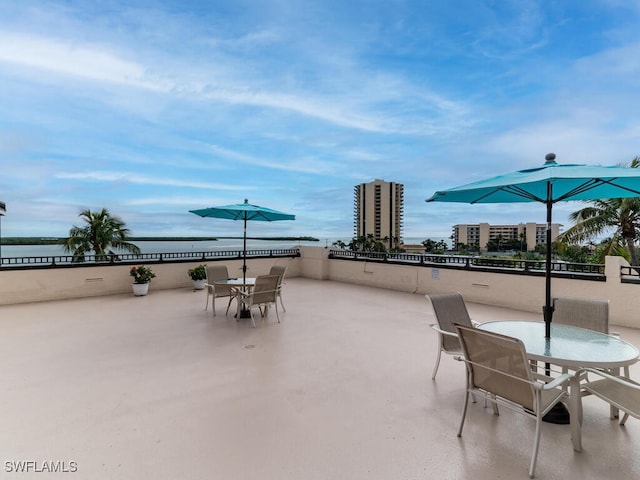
{"x": 14, "y": 251}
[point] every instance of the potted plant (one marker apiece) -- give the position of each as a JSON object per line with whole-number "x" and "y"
{"x": 199, "y": 276}
{"x": 141, "y": 278}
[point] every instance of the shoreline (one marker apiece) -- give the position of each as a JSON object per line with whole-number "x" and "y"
{"x": 56, "y": 240}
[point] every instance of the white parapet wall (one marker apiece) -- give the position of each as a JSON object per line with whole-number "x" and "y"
{"x": 522, "y": 292}
{"x": 43, "y": 284}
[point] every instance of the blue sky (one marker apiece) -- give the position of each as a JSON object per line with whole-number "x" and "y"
{"x": 153, "y": 108}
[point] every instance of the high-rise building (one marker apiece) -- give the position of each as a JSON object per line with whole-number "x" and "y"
{"x": 480, "y": 234}
{"x": 378, "y": 211}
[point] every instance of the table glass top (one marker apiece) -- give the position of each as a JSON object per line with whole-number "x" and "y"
{"x": 568, "y": 346}
{"x": 236, "y": 281}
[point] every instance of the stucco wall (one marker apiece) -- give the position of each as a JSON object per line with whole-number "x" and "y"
{"x": 23, "y": 286}
{"x": 499, "y": 289}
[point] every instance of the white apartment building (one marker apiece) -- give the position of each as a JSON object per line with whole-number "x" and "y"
{"x": 378, "y": 210}
{"x": 480, "y": 234}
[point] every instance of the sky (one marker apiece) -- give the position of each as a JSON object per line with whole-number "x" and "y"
{"x": 154, "y": 108}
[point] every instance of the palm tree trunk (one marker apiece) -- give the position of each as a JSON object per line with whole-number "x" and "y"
{"x": 632, "y": 251}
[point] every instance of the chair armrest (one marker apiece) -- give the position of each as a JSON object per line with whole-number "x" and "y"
{"x": 238, "y": 292}
{"x": 443, "y": 332}
{"x": 627, "y": 382}
{"x": 556, "y": 382}
{"x": 539, "y": 385}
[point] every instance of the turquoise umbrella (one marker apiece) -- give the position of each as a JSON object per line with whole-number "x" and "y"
{"x": 548, "y": 184}
{"x": 245, "y": 212}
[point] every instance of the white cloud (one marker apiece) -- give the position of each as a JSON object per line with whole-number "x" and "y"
{"x": 125, "y": 177}
{"x": 91, "y": 62}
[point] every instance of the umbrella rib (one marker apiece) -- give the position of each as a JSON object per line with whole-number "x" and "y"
{"x": 591, "y": 184}
{"x": 514, "y": 189}
{"x": 611, "y": 182}
{"x": 585, "y": 187}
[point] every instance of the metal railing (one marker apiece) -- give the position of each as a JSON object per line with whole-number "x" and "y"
{"x": 506, "y": 265}
{"x": 630, "y": 274}
{"x": 147, "y": 258}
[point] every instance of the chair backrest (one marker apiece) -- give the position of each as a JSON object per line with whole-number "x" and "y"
{"x": 217, "y": 272}
{"x": 265, "y": 289}
{"x": 278, "y": 270}
{"x": 582, "y": 312}
{"x": 497, "y": 364}
{"x": 450, "y": 310}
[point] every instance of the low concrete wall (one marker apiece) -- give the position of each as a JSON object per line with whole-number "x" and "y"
{"x": 523, "y": 292}
{"x": 37, "y": 285}
{"x": 500, "y": 289}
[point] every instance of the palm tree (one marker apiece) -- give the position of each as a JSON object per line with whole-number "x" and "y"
{"x": 101, "y": 233}
{"x": 339, "y": 244}
{"x": 620, "y": 214}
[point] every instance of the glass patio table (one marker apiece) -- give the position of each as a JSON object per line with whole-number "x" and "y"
{"x": 568, "y": 346}
{"x": 243, "y": 285}
{"x": 237, "y": 282}
{"x": 573, "y": 348}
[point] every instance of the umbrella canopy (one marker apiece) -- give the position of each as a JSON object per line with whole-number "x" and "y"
{"x": 548, "y": 184}
{"x": 244, "y": 211}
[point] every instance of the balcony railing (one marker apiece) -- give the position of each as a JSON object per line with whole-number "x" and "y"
{"x": 630, "y": 274}
{"x": 528, "y": 267}
{"x": 147, "y": 258}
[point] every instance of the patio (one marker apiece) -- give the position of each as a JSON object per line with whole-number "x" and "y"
{"x": 155, "y": 387}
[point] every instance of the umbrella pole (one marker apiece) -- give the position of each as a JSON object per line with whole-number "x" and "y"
{"x": 559, "y": 413}
{"x": 547, "y": 310}
{"x": 244, "y": 252}
{"x": 244, "y": 311}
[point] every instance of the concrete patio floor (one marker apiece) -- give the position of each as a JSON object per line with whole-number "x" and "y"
{"x": 156, "y": 388}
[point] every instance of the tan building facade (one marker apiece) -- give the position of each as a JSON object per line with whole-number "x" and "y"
{"x": 482, "y": 233}
{"x": 378, "y": 210}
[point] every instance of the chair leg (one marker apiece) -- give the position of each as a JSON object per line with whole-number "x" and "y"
{"x": 464, "y": 413}
{"x": 253, "y": 320}
{"x": 206, "y": 305}
{"x": 536, "y": 443}
{"x": 281, "y": 302}
{"x": 231, "y": 297}
{"x": 213, "y": 304}
{"x": 435, "y": 368}
{"x": 624, "y": 419}
{"x": 277, "y": 315}
{"x": 494, "y": 405}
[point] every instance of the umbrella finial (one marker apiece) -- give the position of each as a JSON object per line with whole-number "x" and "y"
{"x": 246, "y": 201}
{"x": 550, "y": 158}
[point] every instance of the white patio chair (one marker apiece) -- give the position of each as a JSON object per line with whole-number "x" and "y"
{"x": 619, "y": 392}
{"x": 499, "y": 372}
{"x": 592, "y": 314}
{"x": 449, "y": 309}
{"x": 214, "y": 273}
{"x": 279, "y": 270}
{"x": 263, "y": 295}
{"x": 589, "y": 313}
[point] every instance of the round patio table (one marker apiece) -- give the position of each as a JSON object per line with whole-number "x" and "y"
{"x": 568, "y": 346}
{"x": 245, "y": 285}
